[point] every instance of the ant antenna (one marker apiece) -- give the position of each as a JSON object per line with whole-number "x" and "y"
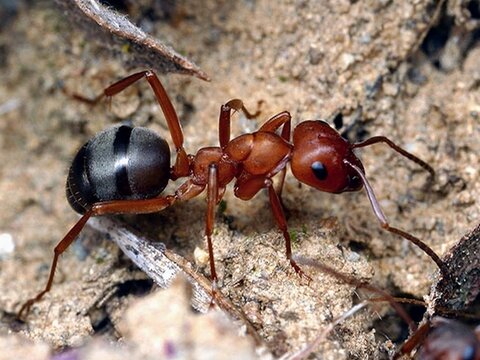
{"x": 377, "y": 210}
{"x": 377, "y": 139}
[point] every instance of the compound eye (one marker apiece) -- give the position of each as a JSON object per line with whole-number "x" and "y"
{"x": 319, "y": 170}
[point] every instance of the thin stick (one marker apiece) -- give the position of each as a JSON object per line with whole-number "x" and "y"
{"x": 360, "y": 284}
{"x": 310, "y": 348}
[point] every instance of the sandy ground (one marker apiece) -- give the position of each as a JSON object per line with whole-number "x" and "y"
{"x": 365, "y": 60}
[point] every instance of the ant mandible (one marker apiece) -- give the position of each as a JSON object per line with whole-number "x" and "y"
{"x": 124, "y": 170}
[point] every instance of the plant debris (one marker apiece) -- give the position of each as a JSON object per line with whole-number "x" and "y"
{"x": 128, "y": 41}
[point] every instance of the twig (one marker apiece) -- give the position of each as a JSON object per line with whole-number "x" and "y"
{"x": 310, "y": 348}
{"x": 162, "y": 265}
{"x": 115, "y": 32}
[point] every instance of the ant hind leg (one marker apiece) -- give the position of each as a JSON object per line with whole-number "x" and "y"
{"x": 59, "y": 250}
{"x": 186, "y": 191}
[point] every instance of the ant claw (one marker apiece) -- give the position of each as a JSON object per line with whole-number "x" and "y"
{"x": 25, "y": 310}
{"x": 212, "y": 304}
{"x": 300, "y": 272}
{"x": 305, "y": 276}
{"x": 213, "y": 300}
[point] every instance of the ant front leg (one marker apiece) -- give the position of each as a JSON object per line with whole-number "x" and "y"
{"x": 279, "y": 216}
{"x": 225, "y": 118}
{"x": 377, "y": 210}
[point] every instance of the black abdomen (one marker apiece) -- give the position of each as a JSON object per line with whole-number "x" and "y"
{"x": 120, "y": 163}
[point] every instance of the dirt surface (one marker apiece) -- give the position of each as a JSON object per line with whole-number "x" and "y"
{"x": 369, "y": 67}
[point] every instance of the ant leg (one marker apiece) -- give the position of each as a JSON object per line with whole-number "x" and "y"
{"x": 275, "y": 122}
{"x": 224, "y": 119}
{"x": 281, "y": 182}
{"x": 212, "y": 200}
{"x": 377, "y": 210}
{"x": 185, "y": 192}
{"x": 384, "y": 296}
{"x": 59, "y": 249}
{"x": 181, "y": 167}
{"x": 81, "y": 98}
{"x": 377, "y": 139}
{"x": 279, "y": 216}
{"x": 416, "y": 339}
{"x": 246, "y": 187}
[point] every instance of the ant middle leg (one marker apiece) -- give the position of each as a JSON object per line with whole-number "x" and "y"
{"x": 281, "y": 221}
{"x": 213, "y": 197}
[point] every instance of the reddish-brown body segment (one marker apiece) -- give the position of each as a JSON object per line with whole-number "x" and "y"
{"x": 319, "y": 157}
{"x": 226, "y": 167}
{"x": 260, "y": 156}
{"x": 260, "y": 153}
{"x": 317, "y": 141}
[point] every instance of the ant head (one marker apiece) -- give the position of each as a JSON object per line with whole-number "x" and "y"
{"x": 318, "y": 158}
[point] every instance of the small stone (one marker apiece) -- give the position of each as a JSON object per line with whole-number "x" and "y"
{"x": 353, "y": 256}
{"x": 315, "y": 55}
{"x": 464, "y": 198}
{"x": 200, "y": 256}
{"x": 7, "y": 246}
{"x": 347, "y": 60}
{"x": 252, "y": 312}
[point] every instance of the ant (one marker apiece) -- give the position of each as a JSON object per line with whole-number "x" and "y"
{"x": 437, "y": 338}
{"x": 441, "y": 338}
{"x": 124, "y": 170}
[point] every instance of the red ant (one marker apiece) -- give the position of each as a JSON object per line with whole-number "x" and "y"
{"x": 442, "y": 338}
{"x": 124, "y": 170}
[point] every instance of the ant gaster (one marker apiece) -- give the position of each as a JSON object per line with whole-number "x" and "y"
{"x": 124, "y": 170}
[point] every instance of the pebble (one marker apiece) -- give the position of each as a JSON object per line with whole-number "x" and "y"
{"x": 7, "y": 246}
{"x": 200, "y": 256}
